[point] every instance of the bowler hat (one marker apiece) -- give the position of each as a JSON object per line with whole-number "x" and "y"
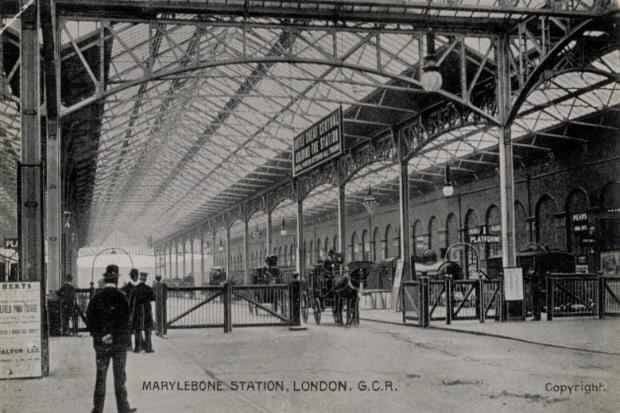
{"x": 111, "y": 273}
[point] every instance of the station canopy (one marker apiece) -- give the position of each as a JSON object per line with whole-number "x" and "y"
{"x": 197, "y": 113}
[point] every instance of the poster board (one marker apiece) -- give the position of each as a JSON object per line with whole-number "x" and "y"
{"x": 513, "y": 283}
{"x": 398, "y": 276}
{"x": 20, "y": 330}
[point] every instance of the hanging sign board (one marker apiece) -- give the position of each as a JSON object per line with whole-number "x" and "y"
{"x": 20, "y": 330}
{"x": 513, "y": 283}
{"x": 319, "y": 143}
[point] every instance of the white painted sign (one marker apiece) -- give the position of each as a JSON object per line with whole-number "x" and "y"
{"x": 513, "y": 283}
{"x": 20, "y": 330}
{"x": 398, "y": 276}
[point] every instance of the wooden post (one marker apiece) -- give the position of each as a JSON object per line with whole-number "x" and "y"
{"x": 549, "y": 300}
{"x": 601, "y": 297}
{"x": 295, "y": 302}
{"x": 449, "y": 297}
{"x": 227, "y": 306}
{"x": 480, "y": 301}
{"x": 164, "y": 309}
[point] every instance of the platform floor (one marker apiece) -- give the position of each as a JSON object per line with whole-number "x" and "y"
{"x": 430, "y": 371}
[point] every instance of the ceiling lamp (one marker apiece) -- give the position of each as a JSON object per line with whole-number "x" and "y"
{"x": 370, "y": 202}
{"x": 448, "y": 188}
{"x": 431, "y": 77}
{"x": 256, "y": 233}
{"x": 221, "y": 246}
{"x": 283, "y": 231}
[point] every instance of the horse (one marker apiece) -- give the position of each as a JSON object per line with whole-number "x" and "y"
{"x": 346, "y": 292}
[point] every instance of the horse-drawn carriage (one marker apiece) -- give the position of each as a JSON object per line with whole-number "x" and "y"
{"x": 329, "y": 285}
{"x": 270, "y": 274}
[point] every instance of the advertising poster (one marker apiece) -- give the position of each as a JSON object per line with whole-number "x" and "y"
{"x": 20, "y": 330}
{"x": 513, "y": 284}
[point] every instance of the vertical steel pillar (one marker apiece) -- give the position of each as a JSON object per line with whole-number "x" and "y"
{"x": 342, "y": 243}
{"x": 31, "y": 234}
{"x": 184, "y": 250}
{"x": 246, "y": 251}
{"x": 176, "y": 259}
{"x": 228, "y": 255}
{"x": 191, "y": 253}
{"x": 300, "y": 264}
{"x": 170, "y": 261}
{"x": 53, "y": 210}
{"x": 506, "y": 167}
{"x": 202, "y": 257}
{"x": 268, "y": 239}
{"x": 405, "y": 253}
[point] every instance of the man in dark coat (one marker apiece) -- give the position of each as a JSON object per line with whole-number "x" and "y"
{"x": 143, "y": 314}
{"x": 66, "y": 293}
{"x": 127, "y": 289}
{"x": 107, "y": 317}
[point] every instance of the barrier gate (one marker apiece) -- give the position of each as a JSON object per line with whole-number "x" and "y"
{"x": 227, "y": 306}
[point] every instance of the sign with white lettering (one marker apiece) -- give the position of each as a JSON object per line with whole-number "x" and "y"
{"x": 20, "y": 330}
{"x": 319, "y": 143}
{"x": 513, "y": 283}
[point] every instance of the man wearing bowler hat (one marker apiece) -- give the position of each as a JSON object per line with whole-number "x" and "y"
{"x": 108, "y": 323}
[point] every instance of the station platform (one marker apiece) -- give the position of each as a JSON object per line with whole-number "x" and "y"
{"x": 589, "y": 334}
{"x": 382, "y": 367}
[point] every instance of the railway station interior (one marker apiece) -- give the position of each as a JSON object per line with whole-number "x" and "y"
{"x": 195, "y": 139}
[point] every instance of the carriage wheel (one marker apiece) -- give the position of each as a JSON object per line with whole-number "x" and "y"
{"x": 316, "y": 311}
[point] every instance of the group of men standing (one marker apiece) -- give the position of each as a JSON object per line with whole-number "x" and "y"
{"x": 140, "y": 296}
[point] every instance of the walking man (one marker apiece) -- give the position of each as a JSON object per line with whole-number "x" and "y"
{"x": 108, "y": 321}
{"x": 143, "y": 314}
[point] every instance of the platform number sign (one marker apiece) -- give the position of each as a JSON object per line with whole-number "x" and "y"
{"x": 11, "y": 243}
{"x": 319, "y": 143}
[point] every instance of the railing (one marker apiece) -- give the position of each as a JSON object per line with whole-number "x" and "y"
{"x": 426, "y": 300}
{"x": 228, "y": 305}
{"x": 572, "y": 296}
{"x": 260, "y": 305}
{"x": 610, "y": 288}
{"x": 192, "y": 307}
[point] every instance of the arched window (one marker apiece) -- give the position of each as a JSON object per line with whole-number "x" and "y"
{"x": 493, "y": 228}
{"x": 318, "y": 250}
{"x": 546, "y": 231}
{"x": 419, "y": 241}
{"x": 354, "y": 246}
{"x": 521, "y": 227}
{"x": 472, "y": 230}
{"x": 452, "y": 231}
{"x": 609, "y": 224}
{"x": 374, "y": 245}
{"x": 387, "y": 253}
{"x": 293, "y": 255}
{"x": 326, "y": 247}
{"x": 365, "y": 246}
{"x": 577, "y": 220}
{"x": 433, "y": 241}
